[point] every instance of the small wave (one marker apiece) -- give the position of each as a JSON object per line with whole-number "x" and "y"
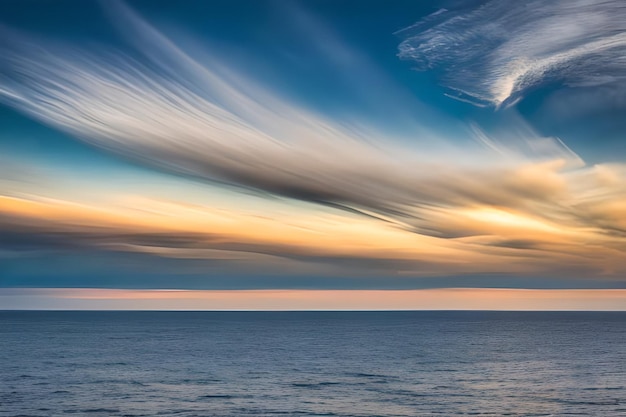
{"x": 100, "y": 410}
{"x": 200, "y": 380}
{"x": 28, "y": 415}
{"x": 613, "y": 401}
{"x": 367, "y": 375}
{"x": 177, "y": 411}
{"x": 218, "y": 396}
{"x": 603, "y": 389}
{"x": 314, "y": 384}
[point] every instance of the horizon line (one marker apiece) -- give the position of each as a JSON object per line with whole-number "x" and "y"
{"x": 442, "y": 299}
{"x": 305, "y": 311}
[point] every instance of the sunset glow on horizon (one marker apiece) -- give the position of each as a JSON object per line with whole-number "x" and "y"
{"x": 482, "y": 299}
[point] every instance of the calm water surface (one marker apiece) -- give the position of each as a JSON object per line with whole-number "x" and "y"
{"x": 312, "y": 364}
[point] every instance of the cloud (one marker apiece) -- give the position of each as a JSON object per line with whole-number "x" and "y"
{"x": 498, "y": 51}
{"x": 238, "y": 241}
{"x": 509, "y": 202}
{"x": 478, "y": 241}
{"x": 170, "y": 111}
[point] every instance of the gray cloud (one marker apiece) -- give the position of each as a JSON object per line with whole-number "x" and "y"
{"x": 21, "y": 235}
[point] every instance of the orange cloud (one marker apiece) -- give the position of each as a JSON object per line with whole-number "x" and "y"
{"x": 498, "y": 241}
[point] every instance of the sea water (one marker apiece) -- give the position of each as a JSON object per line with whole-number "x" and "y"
{"x": 312, "y": 363}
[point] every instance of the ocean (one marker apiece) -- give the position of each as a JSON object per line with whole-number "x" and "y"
{"x": 312, "y": 364}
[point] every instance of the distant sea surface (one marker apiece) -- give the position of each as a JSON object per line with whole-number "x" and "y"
{"x": 312, "y": 364}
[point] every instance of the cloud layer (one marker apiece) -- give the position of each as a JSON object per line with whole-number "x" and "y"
{"x": 199, "y": 120}
{"x": 512, "y": 202}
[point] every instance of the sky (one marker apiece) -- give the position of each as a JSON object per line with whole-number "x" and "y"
{"x": 343, "y": 155}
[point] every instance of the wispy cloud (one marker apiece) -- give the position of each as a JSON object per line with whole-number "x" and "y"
{"x": 189, "y": 118}
{"x": 500, "y": 50}
{"x": 512, "y": 202}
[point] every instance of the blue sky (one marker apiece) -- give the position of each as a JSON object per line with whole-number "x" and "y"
{"x": 312, "y": 145}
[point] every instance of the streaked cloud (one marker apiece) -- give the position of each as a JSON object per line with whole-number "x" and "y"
{"x": 425, "y": 204}
{"x": 476, "y": 240}
{"x": 191, "y": 119}
{"x": 498, "y": 51}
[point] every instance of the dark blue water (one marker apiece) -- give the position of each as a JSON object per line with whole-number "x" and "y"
{"x": 312, "y": 364}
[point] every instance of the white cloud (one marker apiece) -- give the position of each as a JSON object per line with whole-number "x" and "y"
{"x": 500, "y": 50}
